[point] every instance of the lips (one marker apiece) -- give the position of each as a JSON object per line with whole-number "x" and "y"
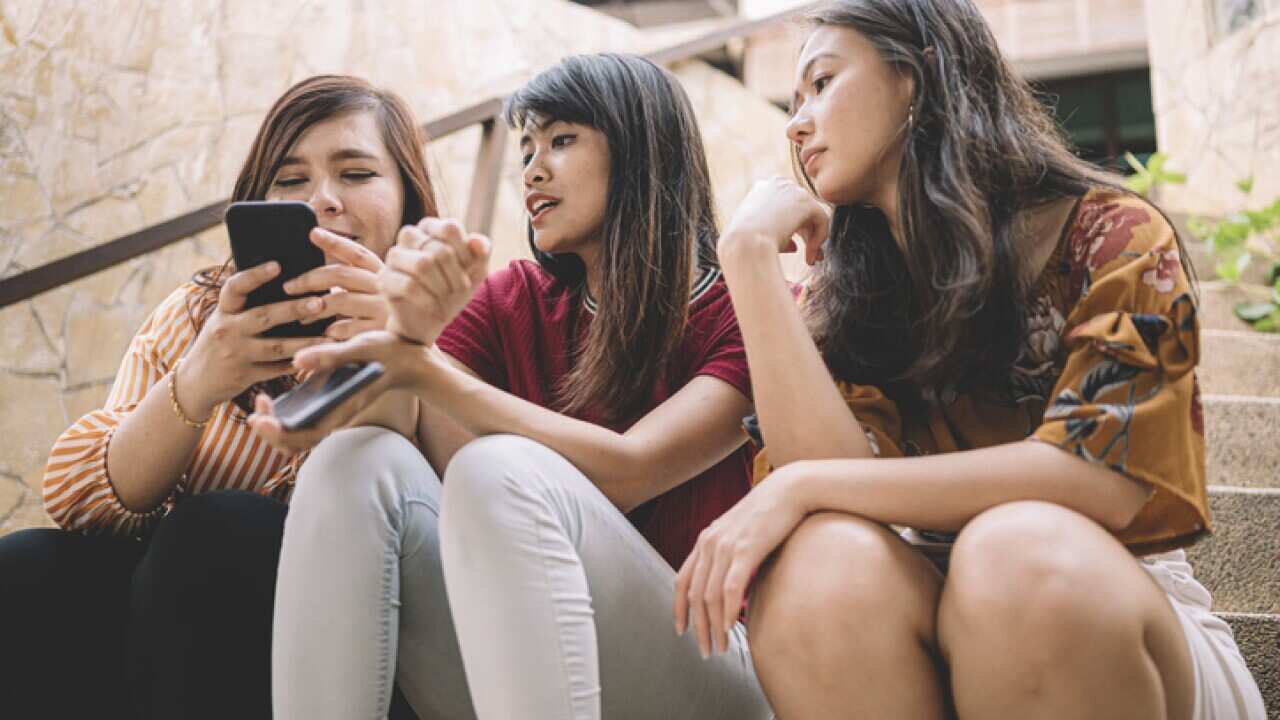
{"x": 339, "y": 233}
{"x": 808, "y": 156}
{"x": 539, "y": 204}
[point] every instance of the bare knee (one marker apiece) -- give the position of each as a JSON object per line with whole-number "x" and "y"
{"x": 1033, "y": 570}
{"x": 840, "y": 571}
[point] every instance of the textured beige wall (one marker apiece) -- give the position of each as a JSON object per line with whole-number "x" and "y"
{"x": 1217, "y": 103}
{"x": 117, "y": 115}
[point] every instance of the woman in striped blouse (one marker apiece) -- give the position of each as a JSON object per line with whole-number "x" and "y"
{"x": 155, "y": 596}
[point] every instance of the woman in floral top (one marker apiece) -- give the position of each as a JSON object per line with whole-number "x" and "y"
{"x": 1002, "y": 383}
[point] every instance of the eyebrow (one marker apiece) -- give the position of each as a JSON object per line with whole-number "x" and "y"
{"x": 795, "y": 97}
{"x": 338, "y": 155}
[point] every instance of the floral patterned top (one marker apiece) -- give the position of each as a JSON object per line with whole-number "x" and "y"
{"x": 1106, "y": 373}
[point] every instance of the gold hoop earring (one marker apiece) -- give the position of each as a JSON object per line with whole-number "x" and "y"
{"x": 911, "y": 117}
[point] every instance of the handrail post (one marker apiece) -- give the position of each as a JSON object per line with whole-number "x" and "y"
{"x": 485, "y": 177}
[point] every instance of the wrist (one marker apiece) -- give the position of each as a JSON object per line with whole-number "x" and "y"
{"x": 797, "y": 486}
{"x": 738, "y": 250}
{"x": 193, "y": 404}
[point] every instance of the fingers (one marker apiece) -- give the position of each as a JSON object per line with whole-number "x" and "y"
{"x": 680, "y": 601}
{"x": 268, "y": 350}
{"x": 481, "y": 248}
{"x": 362, "y": 348}
{"x": 346, "y": 250}
{"x": 326, "y": 277}
{"x": 713, "y": 599}
{"x": 450, "y": 232}
{"x": 736, "y": 580}
{"x": 263, "y": 318}
{"x": 698, "y": 606}
{"x": 370, "y": 307}
{"x": 236, "y": 289}
{"x": 347, "y": 329}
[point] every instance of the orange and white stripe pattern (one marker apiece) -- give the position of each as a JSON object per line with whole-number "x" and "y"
{"x": 79, "y": 496}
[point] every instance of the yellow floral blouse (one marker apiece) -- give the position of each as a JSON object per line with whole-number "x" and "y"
{"x": 1106, "y": 372}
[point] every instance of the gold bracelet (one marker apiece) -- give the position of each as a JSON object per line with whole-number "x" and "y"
{"x": 173, "y": 400}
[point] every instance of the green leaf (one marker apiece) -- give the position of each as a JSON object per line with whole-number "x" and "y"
{"x": 1135, "y": 163}
{"x": 1140, "y": 184}
{"x": 1275, "y": 292}
{"x": 1227, "y": 271}
{"x": 1175, "y": 178}
{"x": 1268, "y": 324}
{"x": 1246, "y": 185}
{"x": 1155, "y": 163}
{"x": 1200, "y": 227}
{"x": 1273, "y": 275}
{"x": 1253, "y": 312}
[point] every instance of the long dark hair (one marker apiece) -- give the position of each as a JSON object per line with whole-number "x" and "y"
{"x": 310, "y": 101}
{"x": 944, "y": 301}
{"x": 659, "y": 221}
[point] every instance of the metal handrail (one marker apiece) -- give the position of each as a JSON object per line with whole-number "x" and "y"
{"x": 486, "y": 113}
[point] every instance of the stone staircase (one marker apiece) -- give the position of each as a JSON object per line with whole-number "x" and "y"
{"x": 1240, "y": 563}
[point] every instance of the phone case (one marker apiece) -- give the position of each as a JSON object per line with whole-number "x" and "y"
{"x": 305, "y": 404}
{"x": 264, "y": 231}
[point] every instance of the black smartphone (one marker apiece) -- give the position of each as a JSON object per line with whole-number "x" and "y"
{"x": 280, "y": 231}
{"x": 305, "y": 404}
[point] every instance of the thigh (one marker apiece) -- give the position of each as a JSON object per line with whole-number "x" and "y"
{"x": 646, "y": 670}
{"x": 202, "y": 605}
{"x": 1061, "y": 577}
{"x": 63, "y": 601}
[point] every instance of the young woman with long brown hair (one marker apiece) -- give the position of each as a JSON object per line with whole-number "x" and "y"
{"x": 584, "y": 412}
{"x": 155, "y": 598}
{"x": 1004, "y": 363}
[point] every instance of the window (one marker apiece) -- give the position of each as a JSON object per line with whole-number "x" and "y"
{"x": 1105, "y": 115}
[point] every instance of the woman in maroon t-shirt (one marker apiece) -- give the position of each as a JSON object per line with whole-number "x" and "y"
{"x": 585, "y": 414}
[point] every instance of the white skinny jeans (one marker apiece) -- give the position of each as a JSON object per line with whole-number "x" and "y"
{"x": 562, "y": 608}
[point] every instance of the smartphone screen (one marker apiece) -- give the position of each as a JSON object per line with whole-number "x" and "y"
{"x": 315, "y": 398}
{"x": 280, "y": 231}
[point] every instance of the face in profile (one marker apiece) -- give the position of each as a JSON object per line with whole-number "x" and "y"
{"x": 849, "y": 116}
{"x": 566, "y": 185}
{"x": 341, "y": 168}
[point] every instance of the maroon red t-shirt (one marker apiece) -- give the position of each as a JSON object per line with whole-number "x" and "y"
{"x": 515, "y": 334}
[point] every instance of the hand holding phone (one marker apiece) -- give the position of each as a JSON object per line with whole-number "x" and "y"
{"x": 305, "y": 404}
{"x": 263, "y": 232}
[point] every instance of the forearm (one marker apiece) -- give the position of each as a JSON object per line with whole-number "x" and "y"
{"x": 944, "y": 492}
{"x": 785, "y": 366}
{"x": 152, "y": 448}
{"x": 617, "y": 463}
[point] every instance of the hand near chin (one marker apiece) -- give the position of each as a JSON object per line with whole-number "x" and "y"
{"x": 774, "y": 214}
{"x": 430, "y": 275}
{"x": 402, "y": 361}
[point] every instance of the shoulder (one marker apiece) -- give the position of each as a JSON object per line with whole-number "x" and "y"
{"x": 521, "y": 279}
{"x": 1112, "y": 228}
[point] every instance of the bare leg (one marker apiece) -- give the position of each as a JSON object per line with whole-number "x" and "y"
{"x": 842, "y": 625}
{"x": 1045, "y": 614}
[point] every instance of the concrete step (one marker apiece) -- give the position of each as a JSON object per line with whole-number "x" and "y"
{"x": 1217, "y": 300}
{"x": 1240, "y": 562}
{"x": 1239, "y": 362}
{"x": 1242, "y": 440}
{"x": 1259, "y": 639}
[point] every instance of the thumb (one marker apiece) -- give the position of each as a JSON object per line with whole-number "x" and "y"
{"x": 320, "y": 358}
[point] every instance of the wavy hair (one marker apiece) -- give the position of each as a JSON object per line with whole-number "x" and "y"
{"x": 944, "y": 300}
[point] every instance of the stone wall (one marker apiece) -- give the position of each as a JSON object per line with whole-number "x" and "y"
{"x": 1216, "y": 101}
{"x": 115, "y": 116}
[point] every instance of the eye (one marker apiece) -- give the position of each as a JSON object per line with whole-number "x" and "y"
{"x": 562, "y": 140}
{"x": 524, "y": 161}
{"x": 821, "y": 82}
{"x": 290, "y": 182}
{"x": 359, "y": 175}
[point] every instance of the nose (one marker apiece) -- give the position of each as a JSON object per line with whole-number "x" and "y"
{"x": 325, "y": 199}
{"x": 535, "y": 173}
{"x": 800, "y": 126}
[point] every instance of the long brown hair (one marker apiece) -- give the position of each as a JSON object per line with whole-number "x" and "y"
{"x": 308, "y": 102}
{"x": 659, "y": 222}
{"x": 945, "y": 301}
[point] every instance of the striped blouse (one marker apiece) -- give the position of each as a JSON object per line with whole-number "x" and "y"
{"x": 78, "y": 494}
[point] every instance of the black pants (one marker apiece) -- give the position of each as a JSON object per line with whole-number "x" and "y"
{"x": 175, "y": 627}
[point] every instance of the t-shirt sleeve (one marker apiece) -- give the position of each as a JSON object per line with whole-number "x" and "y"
{"x": 473, "y": 339}
{"x": 1127, "y": 398}
{"x": 722, "y": 354}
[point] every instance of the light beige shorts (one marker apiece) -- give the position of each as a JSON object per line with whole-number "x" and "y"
{"x": 1225, "y": 689}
